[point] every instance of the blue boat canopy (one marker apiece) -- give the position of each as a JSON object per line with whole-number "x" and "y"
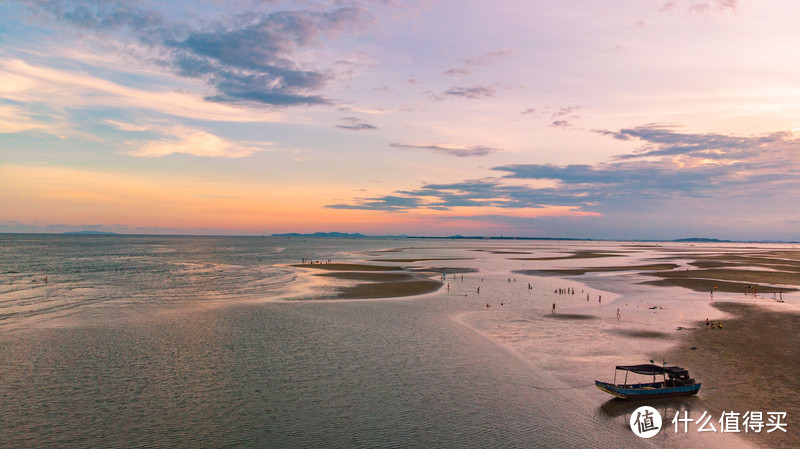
{"x": 651, "y": 370}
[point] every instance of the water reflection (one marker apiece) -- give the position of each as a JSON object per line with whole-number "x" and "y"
{"x": 668, "y": 407}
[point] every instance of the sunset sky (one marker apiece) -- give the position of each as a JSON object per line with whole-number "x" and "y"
{"x": 629, "y": 119}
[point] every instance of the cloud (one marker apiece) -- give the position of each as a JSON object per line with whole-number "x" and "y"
{"x": 701, "y": 7}
{"x": 663, "y": 140}
{"x": 457, "y": 71}
{"x": 26, "y": 83}
{"x": 251, "y": 59}
{"x": 566, "y": 111}
{"x": 559, "y": 116}
{"x": 485, "y": 194}
{"x": 14, "y": 119}
{"x": 560, "y": 124}
{"x": 385, "y": 203}
{"x": 675, "y": 167}
{"x": 126, "y": 126}
{"x": 468, "y": 65}
{"x": 478, "y": 150}
{"x": 195, "y": 143}
{"x": 670, "y": 163}
{"x": 355, "y": 124}
{"x": 473, "y": 92}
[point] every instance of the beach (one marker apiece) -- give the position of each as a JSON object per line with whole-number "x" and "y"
{"x": 744, "y": 365}
{"x": 663, "y": 296}
{"x": 749, "y": 365}
{"x": 427, "y": 342}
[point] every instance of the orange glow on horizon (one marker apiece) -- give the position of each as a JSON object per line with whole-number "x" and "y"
{"x": 79, "y": 197}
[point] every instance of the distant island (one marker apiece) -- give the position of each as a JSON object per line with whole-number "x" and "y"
{"x": 449, "y": 237}
{"x": 338, "y": 235}
{"x": 357, "y": 235}
{"x": 480, "y": 237}
{"x": 701, "y": 240}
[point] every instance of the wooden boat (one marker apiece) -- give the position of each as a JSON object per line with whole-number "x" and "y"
{"x": 675, "y": 381}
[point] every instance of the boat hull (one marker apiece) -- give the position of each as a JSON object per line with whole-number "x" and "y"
{"x": 647, "y": 391}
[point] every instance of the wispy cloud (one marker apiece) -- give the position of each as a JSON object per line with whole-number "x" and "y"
{"x": 391, "y": 203}
{"x": 468, "y": 65}
{"x": 196, "y": 143}
{"x": 126, "y": 126}
{"x": 558, "y": 116}
{"x": 490, "y": 193}
{"x": 669, "y": 163}
{"x": 472, "y": 151}
{"x": 661, "y": 140}
{"x": 673, "y": 166}
{"x": 473, "y": 92}
{"x": 26, "y": 83}
{"x": 251, "y": 59}
{"x": 700, "y": 6}
{"x": 355, "y": 124}
{"x": 14, "y": 119}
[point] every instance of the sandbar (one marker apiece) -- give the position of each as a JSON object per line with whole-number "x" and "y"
{"x": 389, "y": 289}
{"x": 367, "y": 276}
{"x": 749, "y": 365}
{"x": 570, "y": 316}
{"x": 582, "y": 271}
{"x": 347, "y": 267}
{"x": 706, "y": 285}
{"x": 378, "y": 282}
{"x": 423, "y": 259}
{"x": 574, "y": 255}
{"x": 727, "y": 280}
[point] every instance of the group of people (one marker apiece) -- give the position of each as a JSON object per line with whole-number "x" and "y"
{"x": 312, "y": 261}
{"x": 444, "y": 277}
{"x": 712, "y": 325}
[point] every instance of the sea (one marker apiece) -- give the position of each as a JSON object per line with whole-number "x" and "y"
{"x": 178, "y": 341}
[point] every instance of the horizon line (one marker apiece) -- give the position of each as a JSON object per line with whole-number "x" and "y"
{"x": 403, "y": 236}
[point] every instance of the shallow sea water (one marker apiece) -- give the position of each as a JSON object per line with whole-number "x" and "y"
{"x": 217, "y": 342}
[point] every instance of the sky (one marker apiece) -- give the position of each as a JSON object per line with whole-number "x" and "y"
{"x": 626, "y": 119}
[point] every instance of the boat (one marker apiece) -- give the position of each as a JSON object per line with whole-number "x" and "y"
{"x": 675, "y": 381}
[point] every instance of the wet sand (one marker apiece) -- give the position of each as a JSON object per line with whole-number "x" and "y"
{"x": 378, "y": 281}
{"x": 390, "y": 289}
{"x": 570, "y": 316}
{"x": 346, "y": 267}
{"x": 751, "y": 364}
{"x": 706, "y": 285}
{"x": 761, "y": 271}
{"x": 748, "y": 272}
{"x": 367, "y": 276}
{"x": 582, "y": 271}
{"x": 575, "y": 255}
{"x": 427, "y": 259}
{"x": 748, "y": 365}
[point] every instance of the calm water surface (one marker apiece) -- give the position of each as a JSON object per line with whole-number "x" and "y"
{"x": 75, "y": 372}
